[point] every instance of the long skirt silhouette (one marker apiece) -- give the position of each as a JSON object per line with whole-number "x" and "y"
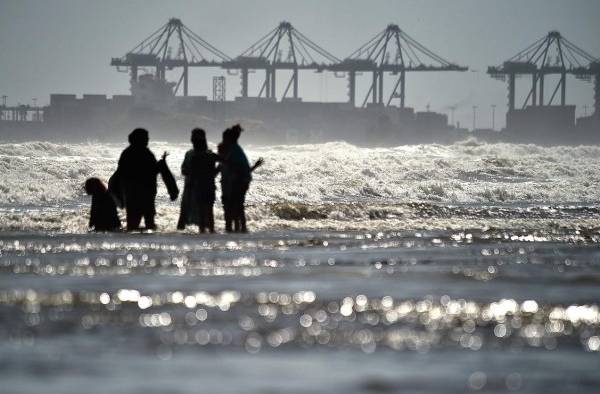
{"x": 199, "y": 170}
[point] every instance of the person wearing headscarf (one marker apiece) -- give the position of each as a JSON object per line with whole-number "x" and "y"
{"x": 103, "y": 212}
{"x": 225, "y": 169}
{"x": 138, "y": 170}
{"x": 236, "y": 179}
{"x": 199, "y": 170}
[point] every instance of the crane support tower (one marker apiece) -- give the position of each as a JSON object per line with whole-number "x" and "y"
{"x": 391, "y": 51}
{"x": 219, "y": 92}
{"x": 283, "y": 48}
{"x": 172, "y": 46}
{"x": 551, "y": 54}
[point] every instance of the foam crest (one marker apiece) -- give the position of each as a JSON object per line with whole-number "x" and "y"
{"x": 38, "y": 173}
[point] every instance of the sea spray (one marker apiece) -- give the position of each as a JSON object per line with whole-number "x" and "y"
{"x": 39, "y": 173}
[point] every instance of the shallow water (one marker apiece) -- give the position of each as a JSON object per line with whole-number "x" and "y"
{"x": 425, "y": 269}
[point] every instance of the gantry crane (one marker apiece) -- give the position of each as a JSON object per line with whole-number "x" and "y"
{"x": 173, "y": 45}
{"x": 395, "y": 52}
{"x": 551, "y": 54}
{"x": 283, "y": 48}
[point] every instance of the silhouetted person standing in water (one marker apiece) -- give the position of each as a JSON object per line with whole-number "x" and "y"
{"x": 137, "y": 170}
{"x": 103, "y": 214}
{"x": 199, "y": 170}
{"x": 223, "y": 151}
{"x": 235, "y": 179}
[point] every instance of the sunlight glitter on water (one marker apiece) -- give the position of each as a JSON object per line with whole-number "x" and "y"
{"x": 273, "y": 319}
{"x": 427, "y": 268}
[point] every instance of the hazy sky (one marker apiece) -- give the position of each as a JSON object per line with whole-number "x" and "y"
{"x": 65, "y": 46}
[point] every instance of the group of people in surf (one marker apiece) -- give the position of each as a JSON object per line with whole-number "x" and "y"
{"x": 133, "y": 186}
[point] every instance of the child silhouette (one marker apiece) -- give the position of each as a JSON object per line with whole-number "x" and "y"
{"x": 103, "y": 214}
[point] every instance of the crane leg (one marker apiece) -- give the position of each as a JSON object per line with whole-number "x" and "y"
{"x": 374, "y": 87}
{"x": 380, "y": 90}
{"x": 511, "y": 92}
{"x": 352, "y": 87}
{"x": 541, "y": 90}
{"x": 295, "y": 91}
{"x": 185, "y": 81}
{"x": 402, "y": 88}
{"x": 563, "y": 89}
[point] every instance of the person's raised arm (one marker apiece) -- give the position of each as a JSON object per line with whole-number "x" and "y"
{"x": 257, "y": 164}
{"x": 93, "y": 213}
{"x": 160, "y": 164}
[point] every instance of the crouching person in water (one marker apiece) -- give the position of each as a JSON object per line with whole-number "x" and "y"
{"x": 103, "y": 214}
{"x": 199, "y": 170}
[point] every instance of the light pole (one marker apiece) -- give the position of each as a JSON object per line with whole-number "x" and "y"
{"x": 474, "y": 116}
{"x": 493, "y": 116}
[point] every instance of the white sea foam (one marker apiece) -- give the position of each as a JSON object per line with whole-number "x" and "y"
{"x": 38, "y": 173}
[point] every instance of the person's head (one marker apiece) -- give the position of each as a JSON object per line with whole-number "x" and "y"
{"x": 199, "y": 140}
{"x": 236, "y": 130}
{"x": 139, "y": 137}
{"x": 94, "y": 186}
{"x": 227, "y": 136}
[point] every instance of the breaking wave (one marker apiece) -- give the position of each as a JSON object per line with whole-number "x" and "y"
{"x": 39, "y": 173}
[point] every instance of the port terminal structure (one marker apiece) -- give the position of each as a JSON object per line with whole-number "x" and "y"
{"x": 543, "y": 108}
{"x": 21, "y": 113}
{"x": 157, "y": 102}
{"x": 390, "y": 51}
{"x": 284, "y": 48}
{"x": 156, "y": 51}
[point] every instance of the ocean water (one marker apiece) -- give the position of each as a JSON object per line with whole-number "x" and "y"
{"x": 427, "y": 268}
